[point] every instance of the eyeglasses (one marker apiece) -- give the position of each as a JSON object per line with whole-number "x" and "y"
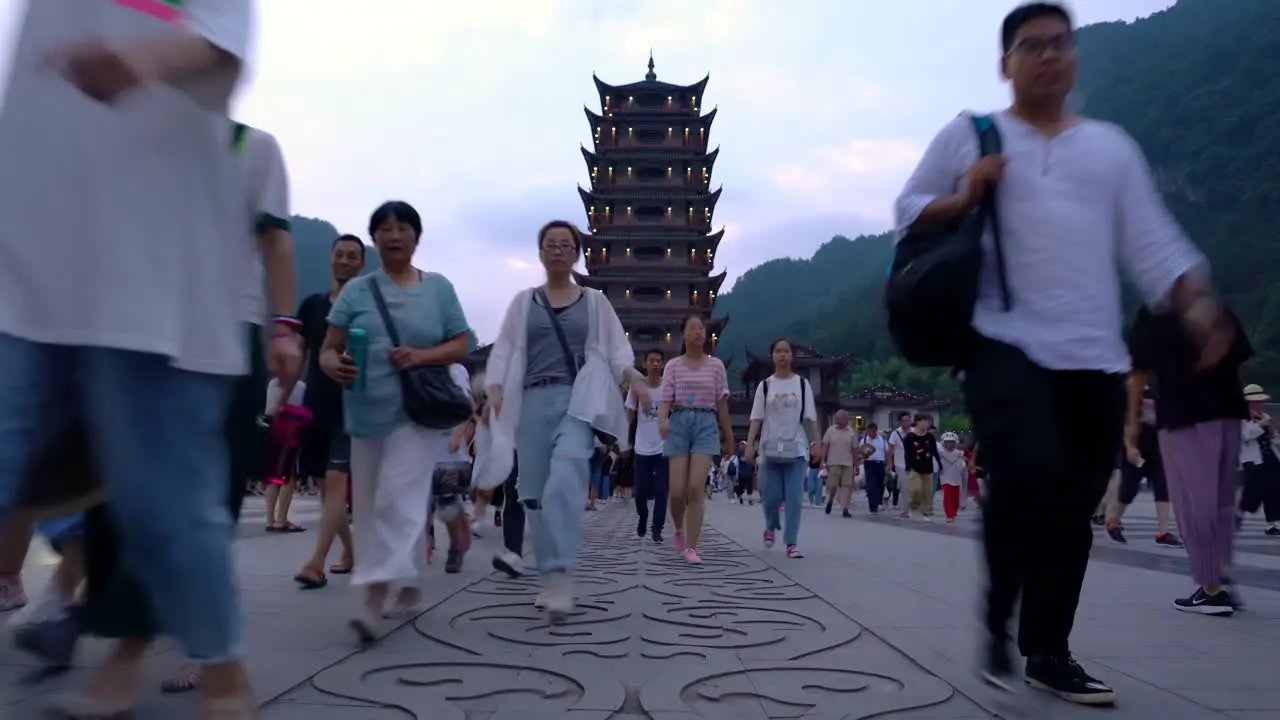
{"x": 1037, "y": 46}
{"x": 560, "y": 247}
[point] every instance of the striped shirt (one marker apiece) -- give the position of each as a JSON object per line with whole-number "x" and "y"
{"x": 696, "y": 385}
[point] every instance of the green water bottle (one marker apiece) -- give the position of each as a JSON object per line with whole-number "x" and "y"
{"x": 358, "y": 349}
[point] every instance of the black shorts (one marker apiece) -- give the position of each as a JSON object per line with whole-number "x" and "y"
{"x": 1152, "y": 469}
{"x": 324, "y": 448}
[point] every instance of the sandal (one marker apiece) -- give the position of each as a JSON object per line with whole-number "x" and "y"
{"x": 186, "y": 679}
{"x": 274, "y": 528}
{"x": 310, "y": 578}
{"x": 291, "y": 528}
{"x": 342, "y": 568}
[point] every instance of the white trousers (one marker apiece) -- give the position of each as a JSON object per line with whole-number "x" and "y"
{"x": 390, "y": 492}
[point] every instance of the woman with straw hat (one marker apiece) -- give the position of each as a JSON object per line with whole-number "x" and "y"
{"x": 1260, "y": 462}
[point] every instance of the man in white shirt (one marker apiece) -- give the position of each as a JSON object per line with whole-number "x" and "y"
{"x": 1074, "y": 194}
{"x": 118, "y": 201}
{"x": 873, "y": 467}
{"x": 649, "y": 469}
{"x": 897, "y": 453}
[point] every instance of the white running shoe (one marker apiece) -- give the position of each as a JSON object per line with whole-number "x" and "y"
{"x": 509, "y": 563}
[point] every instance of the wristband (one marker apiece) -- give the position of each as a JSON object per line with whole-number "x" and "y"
{"x": 287, "y": 321}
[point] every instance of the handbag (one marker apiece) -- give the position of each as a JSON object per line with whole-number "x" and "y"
{"x": 932, "y": 287}
{"x": 431, "y": 398}
{"x": 570, "y": 361}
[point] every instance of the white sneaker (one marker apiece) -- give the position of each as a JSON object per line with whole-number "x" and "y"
{"x": 509, "y": 563}
{"x": 559, "y": 597}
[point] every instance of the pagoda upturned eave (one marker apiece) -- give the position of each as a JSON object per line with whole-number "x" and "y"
{"x": 713, "y": 282}
{"x": 593, "y": 158}
{"x": 621, "y": 116}
{"x": 607, "y": 90}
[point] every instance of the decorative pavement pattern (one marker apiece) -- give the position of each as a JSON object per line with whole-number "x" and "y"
{"x": 653, "y": 637}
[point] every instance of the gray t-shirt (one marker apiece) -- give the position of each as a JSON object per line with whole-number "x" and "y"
{"x": 545, "y": 357}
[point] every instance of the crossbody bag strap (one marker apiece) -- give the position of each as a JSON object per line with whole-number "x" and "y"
{"x": 569, "y": 360}
{"x": 381, "y": 302}
{"x": 989, "y": 143}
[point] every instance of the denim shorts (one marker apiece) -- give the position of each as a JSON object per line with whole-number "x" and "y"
{"x": 692, "y": 431}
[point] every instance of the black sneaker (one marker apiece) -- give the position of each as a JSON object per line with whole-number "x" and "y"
{"x": 657, "y": 537}
{"x": 1168, "y": 540}
{"x": 997, "y": 667}
{"x": 846, "y": 513}
{"x": 1273, "y": 531}
{"x": 1116, "y": 533}
{"x": 640, "y": 526}
{"x": 53, "y": 640}
{"x": 1063, "y": 676}
{"x": 828, "y": 507}
{"x": 1205, "y": 604}
{"x": 1099, "y": 520}
{"x": 453, "y": 561}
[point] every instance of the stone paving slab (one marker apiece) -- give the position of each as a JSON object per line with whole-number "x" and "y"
{"x": 653, "y": 637}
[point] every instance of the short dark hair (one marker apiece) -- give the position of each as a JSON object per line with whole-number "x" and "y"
{"x": 348, "y": 237}
{"x": 656, "y": 351}
{"x": 903, "y": 414}
{"x": 873, "y": 426}
{"x": 398, "y": 210}
{"x": 1024, "y": 14}
{"x": 921, "y": 416}
{"x": 574, "y": 233}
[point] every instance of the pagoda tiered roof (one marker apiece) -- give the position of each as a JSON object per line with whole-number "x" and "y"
{"x": 649, "y": 154}
{"x": 885, "y": 394}
{"x": 622, "y": 232}
{"x": 647, "y": 278}
{"x": 802, "y": 355}
{"x": 650, "y": 83}
{"x": 642, "y": 192}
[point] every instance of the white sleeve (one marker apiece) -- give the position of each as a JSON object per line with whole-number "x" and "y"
{"x": 273, "y": 394}
{"x": 631, "y": 399}
{"x": 461, "y": 378}
{"x": 810, "y": 411}
{"x": 1153, "y": 247}
{"x": 942, "y": 167}
{"x": 298, "y": 393}
{"x": 268, "y": 181}
{"x": 757, "y": 403}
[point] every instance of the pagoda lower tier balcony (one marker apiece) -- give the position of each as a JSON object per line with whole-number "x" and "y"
{"x": 603, "y": 222}
{"x": 675, "y": 263}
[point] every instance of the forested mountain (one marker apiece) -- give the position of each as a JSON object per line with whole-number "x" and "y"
{"x": 1197, "y": 85}
{"x": 312, "y": 242}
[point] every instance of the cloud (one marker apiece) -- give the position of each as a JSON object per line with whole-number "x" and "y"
{"x": 866, "y": 157}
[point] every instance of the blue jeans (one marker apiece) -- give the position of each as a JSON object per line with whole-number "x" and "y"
{"x": 815, "y": 486}
{"x": 158, "y": 438}
{"x": 554, "y": 455}
{"x": 652, "y": 475}
{"x": 692, "y": 431}
{"x": 873, "y": 470}
{"x": 783, "y": 482}
{"x": 600, "y": 481}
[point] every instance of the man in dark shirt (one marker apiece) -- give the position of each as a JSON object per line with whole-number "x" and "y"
{"x": 921, "y": 449}
{"x": 1198, "y": 422}
{"x": 326, "y": 451}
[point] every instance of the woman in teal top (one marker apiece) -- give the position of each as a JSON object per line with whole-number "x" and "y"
{"x": 392, "y": 458}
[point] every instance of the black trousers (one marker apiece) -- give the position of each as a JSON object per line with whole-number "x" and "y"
{"x": 1261, "y": 489}
{"x": 1049, "y": 441}
{"x": 874, "y": 472}
{"x": 652, "y": 476}
{"x": 512, "y": 513}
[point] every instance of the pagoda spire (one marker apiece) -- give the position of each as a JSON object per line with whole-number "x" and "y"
{"x": 651, "y": 75}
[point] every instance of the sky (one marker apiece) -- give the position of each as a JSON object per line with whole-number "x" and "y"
{"x": 472, "y": 111}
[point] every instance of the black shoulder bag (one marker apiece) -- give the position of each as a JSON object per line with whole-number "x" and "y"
{"x": 431, "y": 398}
{"x": 570, "y": 362}
{"x": 933, "y": 281}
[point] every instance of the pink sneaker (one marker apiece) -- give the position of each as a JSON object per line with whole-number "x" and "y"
{"x": 768, "y": 538}
{"x": 691, "y": 556}
{"x": 12, "y": 595}
{"x": 677, "y": 541}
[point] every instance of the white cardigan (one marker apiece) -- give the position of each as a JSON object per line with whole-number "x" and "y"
{"x": 1250, "y": 450}
{"x": 608, "y": 355}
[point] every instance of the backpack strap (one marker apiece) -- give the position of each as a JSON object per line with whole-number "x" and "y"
{"x": 989, "y": 143}
{"x": 239, "y": 133}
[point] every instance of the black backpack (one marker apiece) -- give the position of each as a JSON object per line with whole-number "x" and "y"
{"x": 933, "y": 280}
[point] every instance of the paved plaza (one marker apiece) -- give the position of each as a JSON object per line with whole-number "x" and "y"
{"x": 877, "y": 621}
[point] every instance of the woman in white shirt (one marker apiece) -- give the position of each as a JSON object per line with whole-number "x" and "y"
{"x": 783, "y": 408}
{"x": 554, "y": 373}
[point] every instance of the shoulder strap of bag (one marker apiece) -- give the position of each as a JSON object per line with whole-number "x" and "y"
{"x": 989, "y": 143}
{"x": 569, "y": 361}
{"x": 381, "y": 302}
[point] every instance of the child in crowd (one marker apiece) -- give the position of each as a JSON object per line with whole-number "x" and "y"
{"x": 954, "y": 468}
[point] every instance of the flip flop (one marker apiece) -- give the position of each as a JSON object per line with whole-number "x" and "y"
{"x": 309, "y": 581}
{"x": 292, "y": 528}
{"x": 340, "y": 569}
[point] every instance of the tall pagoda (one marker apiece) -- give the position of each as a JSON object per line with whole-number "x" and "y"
{"x": 650, "y": 248}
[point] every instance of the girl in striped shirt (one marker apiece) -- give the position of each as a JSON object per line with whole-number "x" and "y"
{"x": 693, "y": 419}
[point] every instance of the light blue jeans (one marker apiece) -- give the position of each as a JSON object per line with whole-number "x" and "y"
{"x": 158, "y": 435}
{"x": 554, "y": 452}
{"x": 783, "y": 481}
{"x": 815, "y": 486}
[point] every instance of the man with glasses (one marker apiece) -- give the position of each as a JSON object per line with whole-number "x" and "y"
{"x": 1044, "y": 382}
